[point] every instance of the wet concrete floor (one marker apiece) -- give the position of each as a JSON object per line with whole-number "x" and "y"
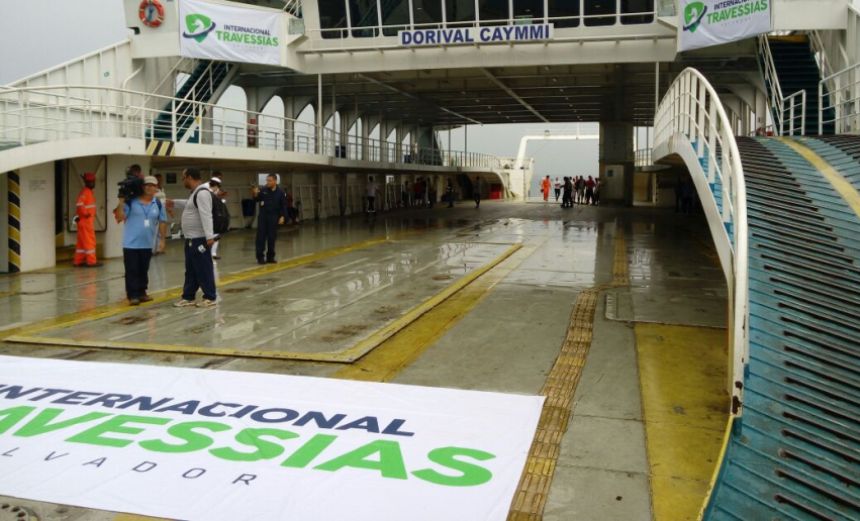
{"x": 507, "y": 341}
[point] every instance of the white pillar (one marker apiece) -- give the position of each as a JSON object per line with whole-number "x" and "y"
{"x": 38, "y": 249}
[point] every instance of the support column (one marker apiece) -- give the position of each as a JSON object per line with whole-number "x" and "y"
{"x": 398, "y": 139}
{"x": 290, "y": 124}
{"x": 615, "y": 166}
{"x": 34, "y": 188}
{"x": 366, "y": 125}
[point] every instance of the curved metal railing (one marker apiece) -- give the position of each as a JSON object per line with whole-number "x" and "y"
{"x": 692, "y": 122}
{"x": 54, "y": 113}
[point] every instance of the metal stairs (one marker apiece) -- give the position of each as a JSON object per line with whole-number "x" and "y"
{"x": 796, "y": 70}
{"x": 205, "y": 83}
{"x": 794, "y": 454}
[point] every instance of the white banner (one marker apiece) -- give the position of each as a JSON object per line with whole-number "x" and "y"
{"x": 219, "y": 445}
{"x": 712, "y": 22}
{"x": 220, "y": 32}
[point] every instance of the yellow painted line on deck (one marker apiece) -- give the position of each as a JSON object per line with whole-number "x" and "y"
{"x": 559, "y": 388}
{"x": 347, "y": 355}
{"x": 24, "y": 333}
{"x": 386, "y": 332}
{"x": 839, "y": 183}
{"x": 682, "y": 371}
{"x": 403, "y": 347}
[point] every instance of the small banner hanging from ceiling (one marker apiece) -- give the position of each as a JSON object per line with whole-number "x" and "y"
{"x": 704, "y": 23}
{"x": 219, "y": 446}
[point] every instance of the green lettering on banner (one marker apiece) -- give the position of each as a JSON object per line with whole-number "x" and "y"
{"x": 310, "y": 450}
{"x": 12, "y": 416}
{"x": 117, "y": 424}
{"x": 41, "y": 424}
{"x": 470, "y": 474}
{"x": 185, "y": 432}
{"x": 390, "y": 462}
{"x": 253, "y": 438}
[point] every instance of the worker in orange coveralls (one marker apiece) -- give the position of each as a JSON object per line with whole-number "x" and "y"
{"x": 544, "y": 187}
{"x": 85, "y": 215}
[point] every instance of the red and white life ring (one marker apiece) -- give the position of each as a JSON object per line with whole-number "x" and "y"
{"x": 151, "y": 13}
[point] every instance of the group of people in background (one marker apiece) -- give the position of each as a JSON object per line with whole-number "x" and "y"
{"x": 572, "y": 190}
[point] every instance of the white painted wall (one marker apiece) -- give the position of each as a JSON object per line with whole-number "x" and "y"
{"x": 37, "y": 215}
{"x": 809, "y": 14}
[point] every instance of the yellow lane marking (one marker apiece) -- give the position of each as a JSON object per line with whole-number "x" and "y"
{"x": 383, "y": 334}
{"x": 682, "y": 370}
{"x": 347, "y": 355}
{"x": 109, "y": 310}
{"x": 408, "y": 343}
{"x": 839, "y": 183}
{"x": 559, "y": 388}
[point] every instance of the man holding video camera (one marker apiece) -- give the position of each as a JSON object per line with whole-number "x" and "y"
{"x": 144, "y": 217}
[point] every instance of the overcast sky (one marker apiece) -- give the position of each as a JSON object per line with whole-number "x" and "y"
{"x": 38, "y": 34}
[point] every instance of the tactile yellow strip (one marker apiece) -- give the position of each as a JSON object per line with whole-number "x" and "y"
{"x": 559, "y": 388}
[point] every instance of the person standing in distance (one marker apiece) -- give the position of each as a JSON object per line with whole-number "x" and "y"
{"x": 372, "y": 190}
{"x": 199, "y": 236}
{"x": 272, "y": 212}
{"x": 217, "y": 191}
{"x": 145, "y": 219}
{"x": 476, "y": 191}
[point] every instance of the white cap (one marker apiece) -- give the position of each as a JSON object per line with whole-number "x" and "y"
{"x": 215, "y": 180}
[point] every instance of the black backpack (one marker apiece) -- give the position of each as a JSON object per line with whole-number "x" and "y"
{"x": 220, "y": 214}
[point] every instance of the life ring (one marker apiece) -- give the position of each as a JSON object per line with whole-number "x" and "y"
{"x": 151, "y": 13}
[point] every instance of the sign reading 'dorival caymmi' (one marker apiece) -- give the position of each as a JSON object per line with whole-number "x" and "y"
{"x": 704, "y": 23}
{"x": 221, "y": 32}
{"x": 219, "y": 445}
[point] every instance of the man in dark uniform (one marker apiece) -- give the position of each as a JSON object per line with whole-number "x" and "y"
{"x": 273, "y": 211}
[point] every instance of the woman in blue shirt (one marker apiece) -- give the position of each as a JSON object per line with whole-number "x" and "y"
{"x": 144, "y": 217}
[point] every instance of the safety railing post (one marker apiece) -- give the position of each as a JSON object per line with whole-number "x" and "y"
{"x": 821, "y": 107}
{"x": 173, "y": 120}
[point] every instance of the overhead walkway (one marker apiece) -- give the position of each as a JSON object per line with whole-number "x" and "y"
{"x": 46, "y": 123}
{"x": 785, "y": 217}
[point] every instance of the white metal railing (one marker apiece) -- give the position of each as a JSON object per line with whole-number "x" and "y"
{"x": 642, "y": 157}
{"x": 294, "y": 7}
{"x": 51, "y": 113}
{"x": 596, "y": 21}
{"x": 793, "y": 120}
{"x": 842, "y": 97}
{"x": 789, "y": 113}
{"x": 692, "y": 111}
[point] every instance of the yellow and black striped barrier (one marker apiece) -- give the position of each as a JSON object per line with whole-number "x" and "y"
{"x": 14, "y": 183}
{"x": 157, "y": 147}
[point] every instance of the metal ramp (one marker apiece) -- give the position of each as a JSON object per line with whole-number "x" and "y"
{"x": 794, "y": 454}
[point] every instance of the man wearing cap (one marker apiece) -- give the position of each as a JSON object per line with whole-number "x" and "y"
{"x": 85, "y": 214}
{"x": 145, "y": 217}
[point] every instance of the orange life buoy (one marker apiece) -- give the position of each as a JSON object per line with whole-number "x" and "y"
{"x": 151, "y": 13}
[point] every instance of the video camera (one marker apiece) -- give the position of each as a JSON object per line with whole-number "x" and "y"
{"x": 132, "y": 185}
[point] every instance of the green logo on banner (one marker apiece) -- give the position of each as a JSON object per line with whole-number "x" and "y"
{"x": 693, "y": 14}
{"x": 199, "y": 26}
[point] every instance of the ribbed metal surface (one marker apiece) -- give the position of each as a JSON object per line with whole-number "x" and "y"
{"x": 796, "y": 452}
